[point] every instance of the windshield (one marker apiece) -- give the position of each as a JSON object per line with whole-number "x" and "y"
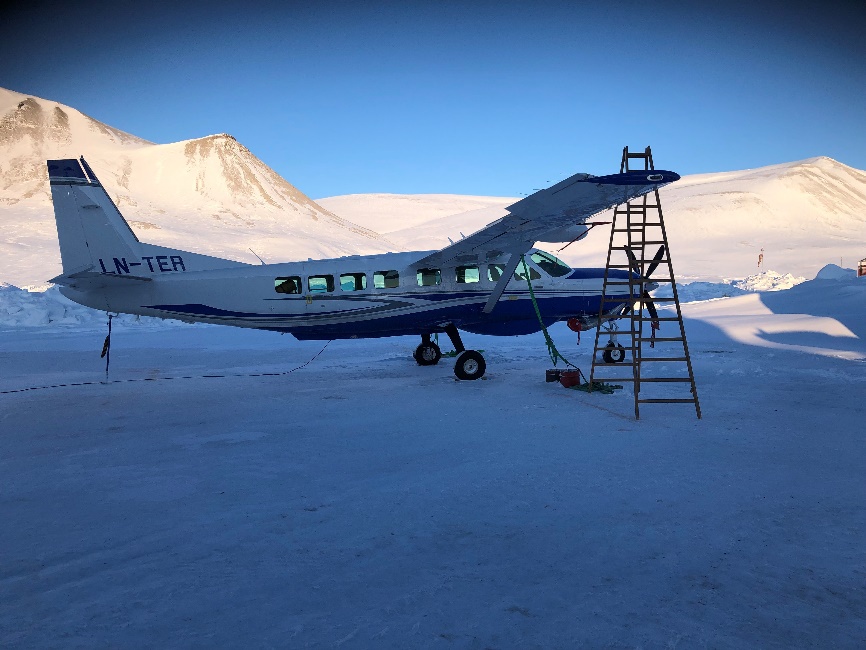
{"x": 549, "y": 264}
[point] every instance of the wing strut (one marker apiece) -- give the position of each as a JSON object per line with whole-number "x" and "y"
{"x": 503, "y": 282}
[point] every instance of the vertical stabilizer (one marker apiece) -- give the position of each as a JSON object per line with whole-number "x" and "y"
{"x": 93, "y": 234}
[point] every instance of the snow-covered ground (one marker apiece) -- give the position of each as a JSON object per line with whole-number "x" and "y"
{"x": 364, "y": 501}
{"x": 232, "y": 488}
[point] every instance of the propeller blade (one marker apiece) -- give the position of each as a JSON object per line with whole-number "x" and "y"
{"x": 632, "y": 260}
{"x": 650, "y": 306}
{"x": 658, "y": 258}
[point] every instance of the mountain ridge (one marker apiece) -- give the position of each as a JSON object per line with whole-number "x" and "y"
{"x": 212, "y": 195}
{"x": 209, "y": 194}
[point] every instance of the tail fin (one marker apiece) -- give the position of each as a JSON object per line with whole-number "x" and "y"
{"x": 94, "y": 237}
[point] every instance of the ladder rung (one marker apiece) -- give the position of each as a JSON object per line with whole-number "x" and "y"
{"x": 624, "y": 282}
{"x": 610, "y": 379}
{"x": 645, "y": 319}
{"x": 667, "y": 401}
{"x": 665, "y": 380}
{"x": 643, "y": 359}
{"x": 663, "y": 299}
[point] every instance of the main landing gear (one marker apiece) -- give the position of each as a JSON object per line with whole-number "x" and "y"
{"x": 470, "y": 364}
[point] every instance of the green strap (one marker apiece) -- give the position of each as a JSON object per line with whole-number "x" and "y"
{"x": 551, "y": 346}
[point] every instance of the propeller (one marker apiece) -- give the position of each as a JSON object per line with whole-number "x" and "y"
{"x": 635, "y": 267}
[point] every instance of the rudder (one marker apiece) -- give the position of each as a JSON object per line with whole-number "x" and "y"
{"x": 93, "y": 235}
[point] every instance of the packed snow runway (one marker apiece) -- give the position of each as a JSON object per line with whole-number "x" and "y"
{"x": 364, "y": 501}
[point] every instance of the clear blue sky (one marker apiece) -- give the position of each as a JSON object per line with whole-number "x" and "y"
{"x": 491, "y": 98}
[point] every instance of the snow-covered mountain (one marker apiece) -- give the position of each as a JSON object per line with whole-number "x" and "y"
{"x": 803, "y": 214}
{"x": 209, "y": 194}
{"x": 212, "y": 195}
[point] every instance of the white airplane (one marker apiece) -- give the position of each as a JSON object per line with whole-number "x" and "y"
{"x": 478, "y": 284}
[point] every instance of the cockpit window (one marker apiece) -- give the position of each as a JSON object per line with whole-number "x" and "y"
{"x": 467, "y": 274}
{"x": 520, "y": 274}
{"x": 549, "y": 264}
{"x": 429, "y": 277}
{"x": 320, "y": 283}
{"x": 495, "y": 271}
{"x": 353, "y": 281}
{"x": 288, "y": 285}
{"x": 386, "y": 279}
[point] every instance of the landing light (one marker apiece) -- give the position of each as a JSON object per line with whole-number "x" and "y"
{"x": 655, "y": 177}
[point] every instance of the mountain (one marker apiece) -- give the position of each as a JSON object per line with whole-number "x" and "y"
{"x": 803, "y": 214}
{"x": 210, "y": 195}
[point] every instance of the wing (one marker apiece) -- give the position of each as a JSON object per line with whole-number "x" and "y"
{"x": 547, "y": 213}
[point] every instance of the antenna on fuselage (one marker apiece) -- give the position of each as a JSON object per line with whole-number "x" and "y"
{"x": 256, "y": 254}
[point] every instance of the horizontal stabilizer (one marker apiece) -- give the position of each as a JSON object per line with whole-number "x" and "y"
{"x": 95, "y": 280}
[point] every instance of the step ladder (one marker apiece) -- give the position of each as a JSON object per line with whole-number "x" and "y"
{"x": 639, "y": 244}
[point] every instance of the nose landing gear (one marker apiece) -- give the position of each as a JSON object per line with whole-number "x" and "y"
{"x": 613, "y": 351}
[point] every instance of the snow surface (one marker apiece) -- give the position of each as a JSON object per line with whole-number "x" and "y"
{"x": 364, "y": 501}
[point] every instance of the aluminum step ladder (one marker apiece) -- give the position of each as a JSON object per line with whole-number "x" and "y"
{"x": 638, "y": 229}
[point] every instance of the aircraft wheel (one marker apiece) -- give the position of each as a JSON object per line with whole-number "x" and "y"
{"x": 613, "y": 353}
{"x": 427, "y": 354}
{"x": 470, "y": 365}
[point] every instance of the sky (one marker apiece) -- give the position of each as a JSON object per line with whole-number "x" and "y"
{"x": 485, "y": 98}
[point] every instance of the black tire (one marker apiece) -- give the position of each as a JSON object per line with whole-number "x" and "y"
{"x": 427, "y": 354}
{"x": 470, "y": 365}
{"x": 613, "y": 353}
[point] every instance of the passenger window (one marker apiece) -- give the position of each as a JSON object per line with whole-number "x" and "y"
{"x": 320, "y": 283}
{"x": 429, "y": 277}
{"x": 291, "y": 284}
{"x": 494, "y": 272}
{"x": 467, "y": 274}
{"x": 386, "y": 279}
{"x": 549, "y": 264}
{"x": 353, "y": 281}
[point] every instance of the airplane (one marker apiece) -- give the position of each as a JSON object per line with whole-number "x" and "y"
{"x": 479, "y": 284}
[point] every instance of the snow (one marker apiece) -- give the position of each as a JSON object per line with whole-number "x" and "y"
{"x": 235, "y": 488}
{"x": 364, "y": 501}
{"x": 834, "y": 272}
